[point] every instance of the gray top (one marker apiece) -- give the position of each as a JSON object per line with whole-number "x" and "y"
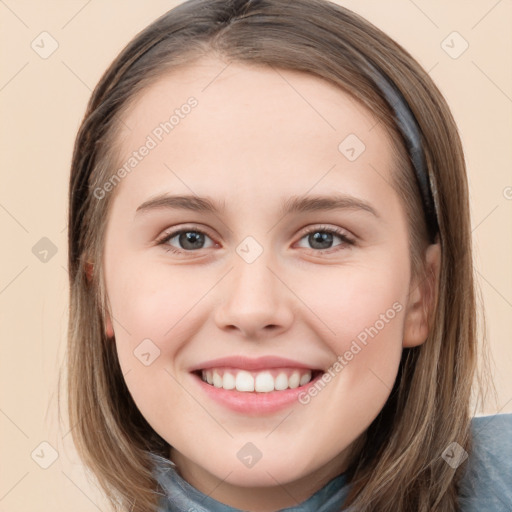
{"x": 486, "y": 486}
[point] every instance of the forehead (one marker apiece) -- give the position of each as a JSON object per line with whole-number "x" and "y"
{"x": 214, "y": 127}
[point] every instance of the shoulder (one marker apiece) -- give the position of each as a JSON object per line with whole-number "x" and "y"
{"x": 487, "y": 480}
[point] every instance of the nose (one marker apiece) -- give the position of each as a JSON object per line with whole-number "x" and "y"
{"x": 257, "y": 301}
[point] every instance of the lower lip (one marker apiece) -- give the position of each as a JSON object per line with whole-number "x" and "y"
{"x": 254, "y": 403}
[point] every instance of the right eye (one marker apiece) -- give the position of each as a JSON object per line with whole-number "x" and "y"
{"x": 188, "y": 240}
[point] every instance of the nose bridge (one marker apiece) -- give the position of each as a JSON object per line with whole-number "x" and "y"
{"x": 253, "y": 297}
{"x": 253, "y": 281}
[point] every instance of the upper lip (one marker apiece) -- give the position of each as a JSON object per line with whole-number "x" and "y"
{"x": 246, "y": 363}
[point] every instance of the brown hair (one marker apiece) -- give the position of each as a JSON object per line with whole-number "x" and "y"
{"x": 397, "y": 464}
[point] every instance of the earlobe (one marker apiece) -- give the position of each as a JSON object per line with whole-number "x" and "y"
{"x": 108, "y": 325}
{"x": 89, "y": 269}
{"x": 422, "y": 300}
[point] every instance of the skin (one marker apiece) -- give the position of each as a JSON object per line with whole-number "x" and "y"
{"x": 257, "y": 137}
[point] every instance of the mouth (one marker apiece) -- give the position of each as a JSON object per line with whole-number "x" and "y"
{"x": 263, "y": 381}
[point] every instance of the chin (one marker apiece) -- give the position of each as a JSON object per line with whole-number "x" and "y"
{"x": 262, "y": 474}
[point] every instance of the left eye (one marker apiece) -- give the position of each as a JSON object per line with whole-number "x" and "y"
{"x": 319, "y": 237}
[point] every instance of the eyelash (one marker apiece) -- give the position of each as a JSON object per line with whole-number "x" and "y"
{"x": 346, "y": 241}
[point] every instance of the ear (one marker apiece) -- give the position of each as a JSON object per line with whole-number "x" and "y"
{"x": 89, "y": 269}
{"x": 108, "y": 325}
{"x": 422, "y": 299}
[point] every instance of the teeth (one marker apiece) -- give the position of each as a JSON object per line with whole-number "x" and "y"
{"x": 304, "y": 379}
{"x": 217, "y": 380}
{"x": 261, "y": 382}
{"x": 228, "y": 381}
{"x": 293, "y": 381}
{"x": 244, "y": 381}
{"x": 264, "y": 382}
{"x": 281, "y": 382}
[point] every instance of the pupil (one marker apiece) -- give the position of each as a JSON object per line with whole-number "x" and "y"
{"x": 320, "y": 237}
{"x": 191, "y": 237}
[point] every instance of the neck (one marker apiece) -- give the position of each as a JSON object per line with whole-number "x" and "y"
{"x": 258, "y": 499}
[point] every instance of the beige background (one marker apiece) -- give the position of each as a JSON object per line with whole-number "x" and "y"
{"x": 42, "y": 102}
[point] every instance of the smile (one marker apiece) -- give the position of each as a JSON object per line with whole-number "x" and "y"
{"x": 265, "y": 381}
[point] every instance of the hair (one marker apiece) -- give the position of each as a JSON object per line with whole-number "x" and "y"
{"x": 396, "y": 464}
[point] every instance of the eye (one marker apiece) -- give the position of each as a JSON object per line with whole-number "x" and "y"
{"x": 321, "y": 238}
{"x": 187, "y": 240}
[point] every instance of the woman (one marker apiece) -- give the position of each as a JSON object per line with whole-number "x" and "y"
{"x": 263, "y": 366}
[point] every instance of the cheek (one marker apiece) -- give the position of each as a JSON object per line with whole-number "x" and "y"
{"x": 155, "y": 309}
{"x": 365, "y": 317}
{"x": 153, "y": 305}
{"x": 364, "y": 311}
{"x": 359, "y": 303}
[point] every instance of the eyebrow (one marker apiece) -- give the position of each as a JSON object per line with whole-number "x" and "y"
{"x": 294, "y": 204}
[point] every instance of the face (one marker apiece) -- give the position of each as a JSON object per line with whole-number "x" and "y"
{"x": 281, "y": 294}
